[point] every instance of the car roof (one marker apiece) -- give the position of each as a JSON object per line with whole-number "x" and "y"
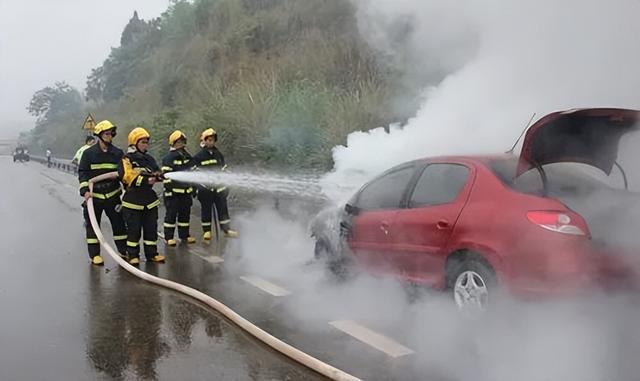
{"x": 484, "y": 159}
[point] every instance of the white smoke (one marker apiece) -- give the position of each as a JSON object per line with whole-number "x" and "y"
{"x": 575, "y": 339}
{"x": 495, "y": 64}
{"x": 507, "y": 60}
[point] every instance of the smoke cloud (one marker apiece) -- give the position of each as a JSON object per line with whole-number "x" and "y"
{"x": 588, "y": 338}
{"x": 488, "y": 66}
{"x": 502, "y": 63}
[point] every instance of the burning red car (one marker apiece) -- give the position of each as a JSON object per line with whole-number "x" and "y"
{"x": 531, "y": 223}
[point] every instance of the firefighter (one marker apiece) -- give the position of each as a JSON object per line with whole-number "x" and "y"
{"x": 177, "y": 195}
{"x": 96, "y": 160}
{"x": 138, "y": 171}
{"x": 89, "y": 141}
{"x": 210, "y": 158}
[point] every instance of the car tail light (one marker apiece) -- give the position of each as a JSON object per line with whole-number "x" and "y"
{"x": 559, "y": 222}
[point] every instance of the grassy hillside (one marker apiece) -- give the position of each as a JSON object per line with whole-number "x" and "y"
{"x": 283, "y": 81}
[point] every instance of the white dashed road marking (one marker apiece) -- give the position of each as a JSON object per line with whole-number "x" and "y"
{"x": 265, "y": 285}
{"x": 372, "y": 338}
{"x": 199, "y": 253}
{"x": 209, "y": 258}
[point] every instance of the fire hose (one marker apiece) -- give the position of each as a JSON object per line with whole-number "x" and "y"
{"x": 275, "y": 343}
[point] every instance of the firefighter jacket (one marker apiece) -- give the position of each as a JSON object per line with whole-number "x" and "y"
{"x": 174, "y": 161}
{"x": 78, "y": 155}
{"x": 96, "y": 162}
{"x": 135, "y": 170}
{"x": 209, "y": 159}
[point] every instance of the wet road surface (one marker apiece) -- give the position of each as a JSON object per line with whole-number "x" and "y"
{"x": 102, "y": 322}
{"x": 61, "y": 318}
{"x": 64, "y": 319}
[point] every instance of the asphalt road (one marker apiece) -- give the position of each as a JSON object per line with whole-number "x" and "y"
{"x": 61, "y": 318}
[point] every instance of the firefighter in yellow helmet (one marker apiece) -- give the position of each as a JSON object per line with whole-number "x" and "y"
{"x": 210, "y": 158}
{"x": 177, "y": 195}
{"x": 138, "y": 171}
{"x": 99, "y": 159}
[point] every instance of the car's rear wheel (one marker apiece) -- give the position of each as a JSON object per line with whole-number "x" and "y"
{"x": 470, "y": 279}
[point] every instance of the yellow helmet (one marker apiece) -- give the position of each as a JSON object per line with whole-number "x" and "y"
{"x": 103, "y": 126}
{"x": 209, "y": 132}
{"x": 136, "y": 134}
{"x": 175, "y": 136}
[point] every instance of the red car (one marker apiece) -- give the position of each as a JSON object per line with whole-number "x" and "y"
{"x": 528, "y": 223}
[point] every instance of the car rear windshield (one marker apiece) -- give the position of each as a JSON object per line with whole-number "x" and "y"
{"x": 572, "y": 177}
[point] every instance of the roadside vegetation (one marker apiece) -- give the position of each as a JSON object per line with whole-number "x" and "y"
{"x": 283, "y": 81}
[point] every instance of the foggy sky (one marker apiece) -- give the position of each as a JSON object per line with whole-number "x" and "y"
{"x": 44, "y": 41}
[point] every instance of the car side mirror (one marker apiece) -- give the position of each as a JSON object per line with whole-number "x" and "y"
{"x": 350, "y": 209}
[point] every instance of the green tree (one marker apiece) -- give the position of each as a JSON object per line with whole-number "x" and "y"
{"x": 53, "y": 102}
{"x": 133, "y": 31}
{"x": 283, "y": 81}
{"x": 60, "y": 111}
{"x": 118, "y": 72}
{"x": 95, "y": 85}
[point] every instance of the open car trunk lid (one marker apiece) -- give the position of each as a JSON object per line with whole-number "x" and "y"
{"x": 590, "y": 136}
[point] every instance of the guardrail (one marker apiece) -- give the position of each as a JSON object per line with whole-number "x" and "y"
{"x": 62, "y": 164}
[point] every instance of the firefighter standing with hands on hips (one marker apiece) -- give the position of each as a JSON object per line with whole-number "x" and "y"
{"x": 210, "y": 158}
{"x": 138, "y": 171}
{"x": 177, "y": 195}
{"x": 96, "y": 160}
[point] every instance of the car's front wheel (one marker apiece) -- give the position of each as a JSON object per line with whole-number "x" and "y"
{"x": 471, "y": 279}
{"x": 334, "y": 260}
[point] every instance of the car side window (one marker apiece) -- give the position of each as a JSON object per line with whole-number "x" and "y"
{"x": 387, "y": 191}
{"x": 439, "y": 184}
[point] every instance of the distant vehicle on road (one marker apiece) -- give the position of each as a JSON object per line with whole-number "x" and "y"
{"x": 538, "y": 224}
{"x": 21, "y": 154}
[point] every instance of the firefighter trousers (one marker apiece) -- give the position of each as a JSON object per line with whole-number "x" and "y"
{"x": 178, "y": 214}
{"x": 208, "y": 200}
{"x": 141, "y": 223}
{"x": 111, "y": 208}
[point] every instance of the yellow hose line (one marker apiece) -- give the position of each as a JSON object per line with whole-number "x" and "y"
{"x": 275, "y": 343}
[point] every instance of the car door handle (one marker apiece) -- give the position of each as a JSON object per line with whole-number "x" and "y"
{"x": 443, "y": 225}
